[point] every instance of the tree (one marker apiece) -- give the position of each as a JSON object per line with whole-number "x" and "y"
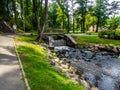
{"x": 36, "y": 5}
{"x": 113, "y": 23}
{"x": 53, "y": 15}
{"x": 39, "y": 38}
{"x": 114, "y": 7}
{"x": 65, "y": 9}
{"x": 90, "y": 21}
{"x": 15, "y": 11}
{"x": 82, "y": 11}
{"x": 72, "y": 8}
{"x": 101, "y": 12}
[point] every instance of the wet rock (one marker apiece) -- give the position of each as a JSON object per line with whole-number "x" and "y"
{"x": 88, "y": 54}
{"x": 104, "y": 53}
{"x": 88, "y": 60}
{"x": 118, "y": 48}
{"x": 66, "y": 54}
{"x": 80, "y": 73}
{"x": 91, "y": 79}
{"x": 75, "y": 60}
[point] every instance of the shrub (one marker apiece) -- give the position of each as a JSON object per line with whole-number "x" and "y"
{"x": 110, "y": 34}
{"x": 117, "y": 34}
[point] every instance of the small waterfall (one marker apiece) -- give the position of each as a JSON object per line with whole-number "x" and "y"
{"x": 60, "y": 42}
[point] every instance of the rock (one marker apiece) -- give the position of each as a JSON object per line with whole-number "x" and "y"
{"x": 80, "y": 73}
{"x": 88, "y": 60}
{"x": 51, "y": 57}
{"x": 75, "y": 60}
{"x": 64, "y": 66}
{"x": 118, "y": 48}
{"x": 66, "y": 55}
{"x": 58, "y": 68}
{"x": 85, "y": 84}
{"x": 71, "y": 70}
{"x": 90, "y": 78}
{"x": 104, "y": 53}
{"x": 52, "y": 62}
{"x": 94, "y": 88}
{"x": 115, "y": 50}
{"x": 56, "y": 60}
{"x": 88, "y": 54}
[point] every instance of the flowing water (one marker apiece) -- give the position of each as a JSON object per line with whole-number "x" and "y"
{"x": 100, "y": 69}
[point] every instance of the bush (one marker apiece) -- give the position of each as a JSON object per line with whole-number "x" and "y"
{"x": 110, "y": 34}
{"x": 117, "y": 34}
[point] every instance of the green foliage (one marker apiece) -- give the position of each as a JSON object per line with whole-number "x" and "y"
{"x": 113, "y": 23}
{"x": 117, "y": 34}
{"x": 90, "y": 20}
{"x": 110, "y": 34}
{"x": 40, "y": 74}
{"x": 53, "y": 16}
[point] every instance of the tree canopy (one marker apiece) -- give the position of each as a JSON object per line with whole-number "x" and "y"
{"x": 63, "y": 15}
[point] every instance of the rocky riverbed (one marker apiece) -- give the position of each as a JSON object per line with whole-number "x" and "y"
{"x": 100, "y": 69}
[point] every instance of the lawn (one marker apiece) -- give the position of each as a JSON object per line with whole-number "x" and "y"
{"x": 96, "y": 40}
{"x": 40, "y": 74}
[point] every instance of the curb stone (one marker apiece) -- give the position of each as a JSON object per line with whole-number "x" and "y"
{"x": 21, "y": 67}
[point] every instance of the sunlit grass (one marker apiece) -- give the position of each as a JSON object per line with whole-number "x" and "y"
{"x": 96, "y": 40}
{"x": 40, "y": 74}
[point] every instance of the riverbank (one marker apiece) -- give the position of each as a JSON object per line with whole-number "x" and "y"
{"x": 40, "y": 74}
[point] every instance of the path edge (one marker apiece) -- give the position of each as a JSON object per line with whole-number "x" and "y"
{"x": 21, "y": 67}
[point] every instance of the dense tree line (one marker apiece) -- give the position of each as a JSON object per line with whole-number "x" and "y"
{"x": 61, "y": 15}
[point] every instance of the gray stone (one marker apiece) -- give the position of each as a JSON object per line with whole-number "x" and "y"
{"x": 90, "y": 78}
{"x": 88, "y": 54}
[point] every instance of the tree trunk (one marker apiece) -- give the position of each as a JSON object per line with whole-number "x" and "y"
{"x": 36, "y": 10}
{"x": 68, "y": 24}
{"x": 97, "y": 26}
{"x": 41, "y": 3}
{"x": 22, "y": 13}
{"x": 68, "y": 18}
{"x": 63, "y": 21}
{"x": 8, "y": 9}
{"x": 73, "y": 23}
{"x": 39, "y": 38}
{"x": 84, "y": 24}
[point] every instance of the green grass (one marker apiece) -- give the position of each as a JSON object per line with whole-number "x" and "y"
{"x": 96, "y": 40}
{"x": 40, "y": 74}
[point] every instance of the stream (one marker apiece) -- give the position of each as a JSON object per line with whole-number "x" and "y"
{"x": 100, "y": 69}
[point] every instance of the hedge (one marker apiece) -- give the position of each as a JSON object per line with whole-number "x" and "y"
{"x": 110, "y": 34}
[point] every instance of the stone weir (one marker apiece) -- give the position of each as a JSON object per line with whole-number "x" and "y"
{"x": 55, "y": 40}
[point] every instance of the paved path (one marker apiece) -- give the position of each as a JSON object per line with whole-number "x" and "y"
{"x": 10, "y": 74}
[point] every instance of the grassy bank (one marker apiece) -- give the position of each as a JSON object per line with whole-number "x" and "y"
{"x": 96, "y": 40}
{"x": 40, "y": 74}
